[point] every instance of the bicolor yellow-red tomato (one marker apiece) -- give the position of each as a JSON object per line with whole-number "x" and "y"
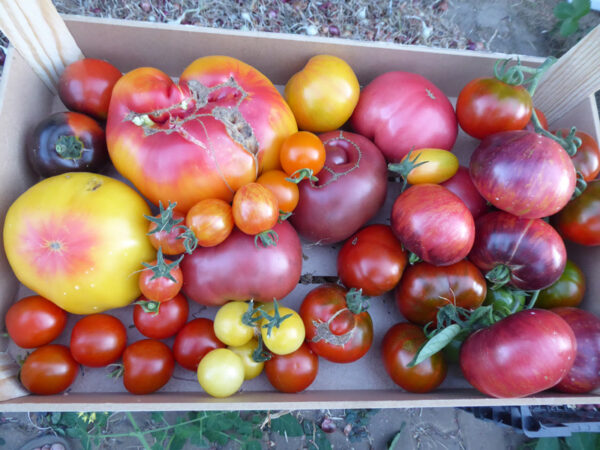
{"x": 202, "y": 138}
{"x": 78, "y": 239}
{"x": 432, "y": 165}
{"x": 323, "y": 94}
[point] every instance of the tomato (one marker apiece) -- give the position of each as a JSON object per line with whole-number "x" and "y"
{"x": 372, "y": 260}
{"x": 285, "y": 191}
{"x": 98, "y": 340}
{"x": 254, "y": 209}
{"x": 579, "y": 221}
{"x": 229, "y": 327}
{"x": 401, "y": 111}
{"x": 302, "y": 152}
{"x": 425, "y": 288}
{"x": 169, "y": 239}
{"x": 427, "y": 165}
{"x": 147, "y": 366}
{"x": 462, "y": 186}
{"x": 49, "y": 370}
{"x": 323, "y": 94}
{"x": 336, "y": 329}
{"x": 587, "y": 158}
{"x": 238, "y": 269}
{"x": 161, "y": 280}
{"x": 541, "y": 117}
{"x": 399, "y": 347}
{"x": 67, "y": 142}
{"x": 293, "y": 372}
{"x": 170, "y": 318}
{"x": 416, "y": 223}
{"x": 350, "y": 190}
{"x": 525, "y": 353}
{"x": 207, "y": 136}
{"x": 221, "y": 373}
{"x": 211, "y": 221}
{"x": 487, "y": 105}
{"x": 86, "y": 86}
{"x": 85, "y": 232}
{"x": 194, "y": 341}
{"x": 252, "y": 368}
{"x": 502, "y": 167}
{"x": 568, "y": 290}
{"x": 34, "y": 321}
{"x": 287, "y": 335}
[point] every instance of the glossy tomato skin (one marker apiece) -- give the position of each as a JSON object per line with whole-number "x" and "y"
{"x": 67, "y": 142}
{"x": 199, "y": 159}
{"x": 49, "y": 370}
{"x": 148, "y": 365}
{"x": 221, "y": 373}
{"x": 487, "y": 105}
{"x": 399, "y": 346}
{"x": 439, "y": 166}
{"x": 171, "y": 317}
{"x": 254, "y": 209}
{"x": 293, "y": 372}
{"x": 416, "y": 223}
{"x": 262, "y": 273}
{"x": 504, "y": 166}
{"x": 168, "y": 242}
{"x": 424, "y": 288}
{"x": 579, "y": 221}
{"x": 161, "y": 288}
{"x": 34, "y": 321}
{"x": 524, "y": 353}
{"x": 193, "y": 341}
{"x": 568, "y": 290}
{"x": 587, "y": 158}
{"x": 462, "y": 186}
{"x": 211, "y": 221}
{"x": 287, "y": 337}
{"x": 530, "y": 248}
{"x": 350, "y": 190}
{"x": 332, "y": 330}
{"x": 98, "y": 340}
{"x": 86, "y": 86}
{"x": 372, "y": 260}
{"x": 584, "y": 376}
{"x": 400, "y": 111}
{"x": 302, "y": 150}
{"x": 285, "y": 191}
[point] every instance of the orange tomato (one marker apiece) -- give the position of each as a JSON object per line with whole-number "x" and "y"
{"x": 255, "y": 209}
{"x": 287, "y": 193}
{"x": 302, "y": 150}
{"x": 211, "y": 221}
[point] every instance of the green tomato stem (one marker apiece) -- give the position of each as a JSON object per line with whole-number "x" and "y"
{"x": 533, "y": 299}
{"x": 69, "y": 147}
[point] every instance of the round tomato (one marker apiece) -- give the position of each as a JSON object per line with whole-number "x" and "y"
{"x": 85, "y": 232}
{"x": 165, "y": 231}
{"x": 462, "y": 186}
{"x": 49, "y": 370}
{"x": 98, "y": 340}
{"x": 568, "y": 290}
{"x": 541, "y": 117}
{"x": 211, "y": 221}
{"x": 252, "y": 368}
{"x": 161, "y": 280}
{"x": 293, "y": 372}
{"x": 323, "y": 94}
{"x": 34, "y": 321}
{"x": 426, "y": 165}
{"x": 285, "y": 191}
{"x": 147, "y": 366}
{"x": 221, "y": 373}
{"x": 282, "y": 330}
{"x": 399, "y": 347}
{"x": 86, "y": 86}
{"x": 170, "y": 318}
{"x": 372, "y": 260}
{"x": 337, "y": 326}
{"x": 229, "y": 325}
{"x": 579, "y": 221}
{"x": 255, "y": 209}
{"x": 194, "y": 341}
{"x": 302, "y": 155}
{"x": 587, "y": 158}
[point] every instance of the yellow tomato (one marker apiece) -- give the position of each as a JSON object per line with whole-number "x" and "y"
{"x": 221, "y": 373}
{"x": 437, "y": 166}
{"x": 252, "y": 369}
{"x": 323, "y": 94}
{"x": 79, "y": 239}
{"x": 228, "y": 325}
{"x": 288, "y": 336}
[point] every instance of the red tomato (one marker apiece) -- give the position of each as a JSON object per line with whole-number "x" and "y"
{"x": 147, "y": 366}
{"x": 587, "y": 158}
{"x": 541, "y": 117}
{"x": 333, "y": 331}
{"x": 293, "y": 372}
{"x": 49, "y": 370}
{"x": 193, "y": 341}
{"x": 568, "y": 290}
{"x": 372, "y": 260}
{"x": 86, "y": 86}
{"x": 98, "y": 340}
{"x": 487, "y": 105}
{"x": 34, "y": 321}
{"x": 579, "y": 221}
{"x": 211, "y": 221}
{"x": 462, "y": 186}
{"x": 255, "y": 209}
{"x": 399, "y": 347}
{"x": 285, "y": 191}
{"x": 168, "y": 241}
{"x": 161, "y": 280}
{"x": 302, "y": 150}
{"x": 170, "y": 318}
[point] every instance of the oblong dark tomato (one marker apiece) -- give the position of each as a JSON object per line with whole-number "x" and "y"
{"x": 195, "y": 340}
{"x": 415, "y": 221}
{"x": 399, "y": 347}
{"x": 98, "y": 340}
{"x": 147, "y": 366}
{"x": 587, "y": 158}
{"x": 568, "y": 290}
{"x": 333, "y": 331}
{"x": 170, "y": 318}
{"x": 34, "y": 321}
{"x": 528, "y": 253}
{"x": 67, "y": 142}
{"x": 425, "y": 288}
{"x": 579, "y": 221}
{"x": 293, "y": 372}
{"x": 49, "y": 370}
{"x": 462, "y": 186}
{"x": 372, "y": 260}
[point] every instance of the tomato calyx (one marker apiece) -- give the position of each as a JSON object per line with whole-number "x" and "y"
{"x": 515, "y": 75}
{"x": 69, "y": 147}
{"x": 302, "y": 174}
{"x": 356, "y": 301}
{"x": 117, "y": 370}
{"x": 267, "y": 238}
{"x": 260, "y": 354}
{"x": 149, "y": 306}
{"x": 162, "y": 268}
{"x": 404, "y": 167}
{"x": 413, "y": 258}
{"x": 499, "y": 276}
{"x": 283, "y": 216}
{"x": 580, "y": 185}
{"x": 165, "y": 222}
{"x": 272, "y": 321}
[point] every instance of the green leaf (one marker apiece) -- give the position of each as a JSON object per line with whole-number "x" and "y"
{"x": 217, "y": 437}
{"x": 157, "y": 446}
{"x": 157, "y": 416}
{"x": 582, "y": 441}
{"x": 160, "y": 437}
{"x": 198, "y": 440}
{"x": 287, "y": 425}
{"x": 321, "y": 440}
{"x": 568, "y": 27}
{"x": 564, "y": 10}
{"x": 177, "y": 443}
{"x": 394, "y": 442}
{"x": 252, "y": 445}
{"x": 435, "y": 344}
{"x": 548, "y": 444}
{"x": 55, "y": 417}
{"x": 2, "y": 441}
{"x": 581, "y": 8}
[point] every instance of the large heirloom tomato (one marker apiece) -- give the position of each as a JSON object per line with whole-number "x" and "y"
{"x": 202, "y": 138}
{"x": 86, "y": 233}
{"x": 579, "y": 221}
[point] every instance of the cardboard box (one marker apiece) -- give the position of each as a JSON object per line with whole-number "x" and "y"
{"x": 363, "y": 384}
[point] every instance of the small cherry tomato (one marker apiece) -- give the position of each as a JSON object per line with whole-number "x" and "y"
{"x": 302, "y": 150}
{"x": 252, "y": 368}
{"x": 541, "y": 117}
{"x": 587, "y": 158}
{"x": 164, "y": 232}
{"x": 255, "y": 209}
{"x": 286, "y": 192}
{"x": 49, "y": 370}
{"x": 221, "y": 373}
{"x": 293, "y": 372}
{"x": 194, "y": 341}
{"x": 284, "y": 336}
{"x": 579, "y": 221}
{"x": 34, "y": 321}
{"x": 427, "y": 165}
{"x": 211, "y": 221}
{"x": 147, "y": 366}
{"x": 170, "y": 318}
{"x": 161, "y": 280}
{"x": 568, "y": 290}
{"x": 229, "y": 326}
{"x": 98, "y": 340}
